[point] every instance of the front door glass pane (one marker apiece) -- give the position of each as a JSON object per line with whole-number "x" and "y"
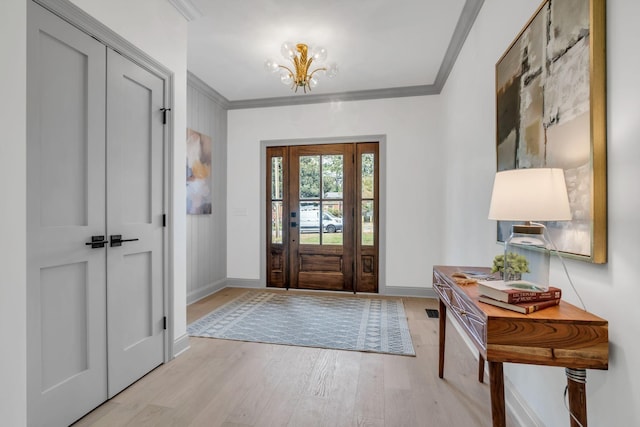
{"x": 276, "y": 178}
{"x": 332, "y": 176}
{"x": 276, "y": 222}
{"x": 368, "y": 229}
{"x": 309, "y": 177}
{"x": 368, "y": 162}
{"x": 332, "y": 223}
{"x": 310, "y": 223}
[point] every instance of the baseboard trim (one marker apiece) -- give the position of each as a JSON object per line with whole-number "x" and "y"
{"x": 518, "y": 408}
{"x": 233, "y": 282}
{"x": 200, "y": 293}
{"x": 409, "y": 291}
{"x": 394, "y": 291}
{"x": 180, "y": 345}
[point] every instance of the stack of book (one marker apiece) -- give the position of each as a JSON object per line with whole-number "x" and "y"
{"x": 521, "y": 296}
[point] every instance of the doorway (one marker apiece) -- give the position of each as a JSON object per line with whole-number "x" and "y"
{"x": 322, "y": 216}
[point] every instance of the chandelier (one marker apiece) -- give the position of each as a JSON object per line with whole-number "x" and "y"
{"x": 301, "y": 75}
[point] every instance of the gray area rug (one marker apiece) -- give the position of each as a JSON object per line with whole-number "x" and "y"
{"x": 344, "y": 323}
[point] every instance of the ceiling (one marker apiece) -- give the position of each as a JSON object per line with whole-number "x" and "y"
{"x": 383, "y": 48}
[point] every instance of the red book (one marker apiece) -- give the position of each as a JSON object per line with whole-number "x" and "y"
{"x": 521, "y": 307}
{"x": 516, "y": 292}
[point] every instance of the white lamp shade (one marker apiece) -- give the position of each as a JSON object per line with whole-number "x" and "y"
{"x": 530, "y": 195}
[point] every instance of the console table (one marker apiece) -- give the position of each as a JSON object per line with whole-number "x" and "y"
{"x": 564, "y": 335}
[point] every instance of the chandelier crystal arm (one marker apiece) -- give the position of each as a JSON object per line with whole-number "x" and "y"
{"x": 316, "y": 70}
{"x": 286, "y": 68}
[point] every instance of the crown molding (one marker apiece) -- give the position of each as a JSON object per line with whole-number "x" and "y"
{"x": 187, "y": 9}
{"x": 397, "y": 92}
{"x": 207, "y": 90}
{"x": 468, "y": 16}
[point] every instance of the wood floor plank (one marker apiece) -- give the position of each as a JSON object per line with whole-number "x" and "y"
{"x": 238, "y": 384}
{"x": 369, "y": 402}
{"x": 322, "y": 375}
{"x": 342, "y": 390}
{"x": 397, "y": 372}
{"x": 399, "y": 407}
{"x": 217, "y": 397}
{"x": 153, "y": 416}
{"x": 283, "y": 401}
{"x": 263, "y": 385}
{"x": 308, "y": 412}
{"x": 117, "y": 414}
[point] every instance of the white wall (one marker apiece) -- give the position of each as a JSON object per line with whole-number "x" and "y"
{"x": 413, "y": 176}
{"x": 610, "y": 290}
{"x": 158, "y": 29}
{"x": 13, "y": 309}
{"x": 155, "y": 27}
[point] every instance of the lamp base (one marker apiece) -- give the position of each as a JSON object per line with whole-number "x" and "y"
{"x": 526, "y": 255}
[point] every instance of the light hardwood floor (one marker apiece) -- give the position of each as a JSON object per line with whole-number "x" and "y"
{"x": 233, "y": 384}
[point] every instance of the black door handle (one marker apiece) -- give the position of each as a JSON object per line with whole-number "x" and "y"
{"x": 97, "y": 242}
{"x": 117, "y": 240}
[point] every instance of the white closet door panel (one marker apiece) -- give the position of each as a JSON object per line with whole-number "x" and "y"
{"x": 64, "y": 169}
{"x": 64, "y": 355}
{"x": 66, "y": 285}
{"x": 135, "y": 209}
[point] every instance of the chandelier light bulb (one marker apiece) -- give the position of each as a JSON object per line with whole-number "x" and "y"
{"x": 288, "y": 50}
{"x": 319, "y": 54}
{"x": 271, "y": 66}
{"x": 286, "y": 77}
{"x": 332, "y": 71}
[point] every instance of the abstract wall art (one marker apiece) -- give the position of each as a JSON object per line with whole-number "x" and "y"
{"x": 198, "y": 173}
{"x": 551, "y": 112}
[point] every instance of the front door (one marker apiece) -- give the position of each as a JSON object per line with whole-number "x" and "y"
{"x": 322, "y": 217}
{"x": 321, "y": 239}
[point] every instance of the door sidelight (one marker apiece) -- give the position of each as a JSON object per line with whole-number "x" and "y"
{"x": 117, "y": 240}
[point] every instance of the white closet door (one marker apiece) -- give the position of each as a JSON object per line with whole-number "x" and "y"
{"x": 66, "y": 311}
{"x": 95, "y": 146}
{"x": 134, "y": 212}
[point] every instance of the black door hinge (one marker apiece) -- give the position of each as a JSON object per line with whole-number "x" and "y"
{"x": 164, "y": 220}
{"x": 164, "y": 115}
{"x": 164, "y": 322}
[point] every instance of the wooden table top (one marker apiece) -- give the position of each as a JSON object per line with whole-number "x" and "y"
{"x": 563, "y": 335}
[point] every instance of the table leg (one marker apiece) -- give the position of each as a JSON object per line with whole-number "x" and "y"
{"x": 441, "y": 336}
{"x": 577, "y": 383}
{"x": 480, "y": 368}
{"x": 496, "y": 384}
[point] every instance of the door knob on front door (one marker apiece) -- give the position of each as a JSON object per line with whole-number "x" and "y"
{"x": 97, "y": 242}
{"x": 117, "y": 240}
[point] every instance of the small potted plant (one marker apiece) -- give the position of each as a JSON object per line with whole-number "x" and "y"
{"x": 516, "y": 265}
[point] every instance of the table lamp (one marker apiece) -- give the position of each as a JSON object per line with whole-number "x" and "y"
{"x": 528, "y": 195}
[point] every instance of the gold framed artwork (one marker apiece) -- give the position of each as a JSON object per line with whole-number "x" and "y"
{"x": 551, "y": 112}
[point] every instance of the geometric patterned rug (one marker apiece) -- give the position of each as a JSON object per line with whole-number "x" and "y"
{"x": 344, "y": 323}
